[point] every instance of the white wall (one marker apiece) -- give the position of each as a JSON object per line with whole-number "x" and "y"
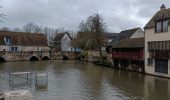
{"x": 66, "y": 43}
{"x": 138, "y": 34}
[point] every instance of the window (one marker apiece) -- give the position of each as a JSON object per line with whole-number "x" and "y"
{"x": 14, "y": 49}
{"x": 159, "y": 45}
{"x": 161, "y": 66}
{"x": 150, "y": 61}
{"x": 161, "y": 26}
{"x": 7, "y": 40}
{"x": 158, "y": 26}
{"x": 165, "y": 26}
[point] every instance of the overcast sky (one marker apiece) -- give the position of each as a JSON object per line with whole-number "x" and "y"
{"x": 118, "y": 14}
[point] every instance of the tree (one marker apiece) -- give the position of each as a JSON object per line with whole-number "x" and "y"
{"x": 60, "y": 30}
{"x": 32, "y": 28}
{"x": 37, "y": 29}
{"x": 29, "y": 27}
{"x": 91, "y": 32}
{"x": 49, "y": 32}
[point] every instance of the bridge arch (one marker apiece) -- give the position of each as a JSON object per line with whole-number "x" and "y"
{"x": 45, "y": 58}
{"x": 33, "y": 58}
{"x": 2, "y": 59}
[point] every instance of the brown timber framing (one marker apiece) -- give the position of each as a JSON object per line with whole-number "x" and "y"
{"x": 159, "y": 49}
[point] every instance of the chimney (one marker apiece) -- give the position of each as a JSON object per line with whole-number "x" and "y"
{"x": 162, "y": 7}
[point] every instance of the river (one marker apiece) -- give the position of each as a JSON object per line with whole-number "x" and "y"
{"x": 72, "y": 80}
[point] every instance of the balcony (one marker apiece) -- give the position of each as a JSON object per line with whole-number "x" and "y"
{"x": 127, "y": 55}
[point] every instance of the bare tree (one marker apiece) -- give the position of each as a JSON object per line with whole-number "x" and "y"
{"x": 48, "y": 32}
{"x": 29, "y": 27}
{"x": 92, "y": 30}
{"x": 37, "y": 29}
{"x": 32, "y": 28}
{"x": 60, "y": 30}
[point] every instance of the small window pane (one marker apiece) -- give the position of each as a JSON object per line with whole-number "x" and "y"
{"x": 150, "y": 61}
{"x": 158, "y": 26}
{"x": 165, "y": 25}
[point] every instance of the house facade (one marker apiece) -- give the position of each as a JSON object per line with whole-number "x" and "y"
{"x": 62, "y": 42}
{"x": 128, "y": 52}
{"x": 157, "y": 43}
{"x": 20, "y": 41}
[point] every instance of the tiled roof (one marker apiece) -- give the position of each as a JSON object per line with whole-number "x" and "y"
{"x": 162, "y": 14}
{"x": 111, "y": 35}
{"x": 130, "y": 43}
{"x": 59, "y": 36}
{"x": 123, "y": 34}
{"x": 127, "y": 33}
{"x": 23, "y": 39}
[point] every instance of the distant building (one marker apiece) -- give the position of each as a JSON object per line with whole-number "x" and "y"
{"x": 157, "y": 43}
{"x": 110, "y": 36}
{"x": 128, "y": 50}
{"x": 130, "y": 33}
{"x": 62, "y": 42}
{"x": 20, "y": 41}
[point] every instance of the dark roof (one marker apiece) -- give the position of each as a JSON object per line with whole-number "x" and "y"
{"x": 123, "y": 34}
{"x": 111, "y": 35}
{"x": 127, "y": 33}
{"x": 59, "y": 36}
{"x": 130, "y": 43}
{"x": 23, "y": 39}
{"x": 162, "y": 14}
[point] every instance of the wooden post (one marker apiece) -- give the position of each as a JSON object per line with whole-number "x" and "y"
{"x": 119, "y": 65}
{"x": 113, "y": 62}
{"x": 130, "y": 64}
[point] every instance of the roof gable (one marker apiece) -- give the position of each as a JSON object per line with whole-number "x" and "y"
{"x": 123, "y": 35}
{"x": 163, "y": 14}
{"x": 59, "y": 36}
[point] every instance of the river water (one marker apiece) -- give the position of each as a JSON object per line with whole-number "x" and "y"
{"x": 72, "y": 80}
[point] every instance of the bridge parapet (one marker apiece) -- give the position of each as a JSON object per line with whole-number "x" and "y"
{"x": 26, "y": 55}
{"x": 30, "y": 55}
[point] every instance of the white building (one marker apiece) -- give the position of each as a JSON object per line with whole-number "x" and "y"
{"x": 62, "y": 42}
{"x": 157, "y": 44}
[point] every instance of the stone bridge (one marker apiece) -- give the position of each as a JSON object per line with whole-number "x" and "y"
{"x": 32, "y": 55}
{"x": 27, "y": 55}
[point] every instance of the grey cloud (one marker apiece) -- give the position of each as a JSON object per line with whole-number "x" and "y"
{"x": 118, "y": 15}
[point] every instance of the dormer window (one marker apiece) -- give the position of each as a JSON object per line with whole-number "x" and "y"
{"x": 161, "y": 26}
{"x": 7, "y": 40}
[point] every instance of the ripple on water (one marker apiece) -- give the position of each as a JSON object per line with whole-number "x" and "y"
{"x": 84, "y": 81}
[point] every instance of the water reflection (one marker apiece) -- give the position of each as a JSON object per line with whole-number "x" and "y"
{"x": 71, "y": 80}
{"x": 41, "y": 87}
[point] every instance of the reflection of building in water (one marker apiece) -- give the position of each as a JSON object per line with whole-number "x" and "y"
{"x": 156, "y": 88}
